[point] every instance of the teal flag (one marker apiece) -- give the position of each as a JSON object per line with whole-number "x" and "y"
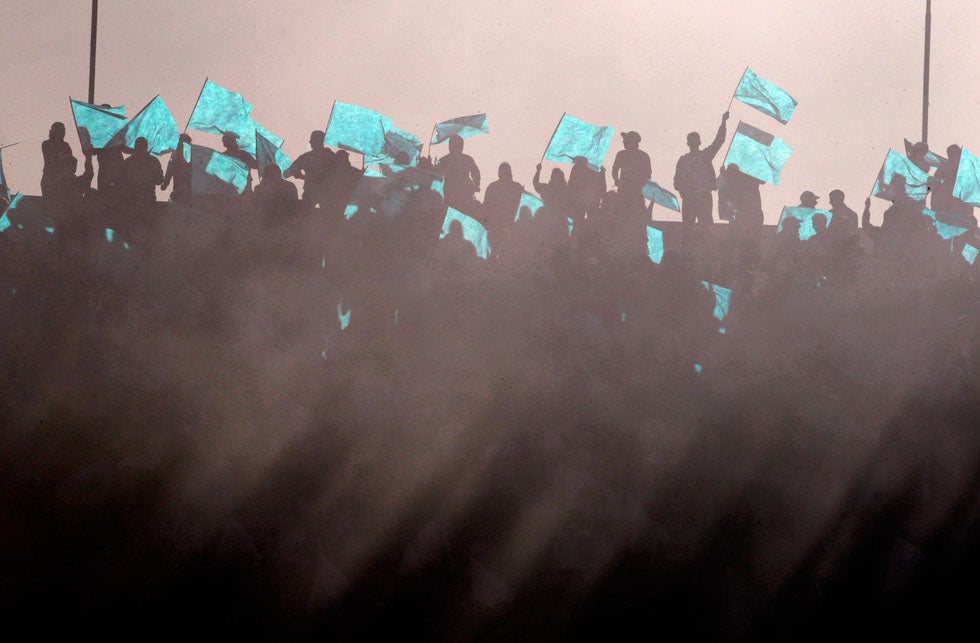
{"x": 967, "y": 185}
{"x": 723, "y": 298}
{"x": 655, "y": 244}
{"x": 5, "y": 221}
{"x": 944, "y": 230}
{"x": 4, "y": 188}
{"x": 156, "y": 124}
{"x": 268, "y": 153}
{"x": 758, "y": 153}
{"x": 765, "y": 97}
{"x": 218, "y": 111}
{"x": 462, "y": 126}
{"x": 970, "y": 253}
{"x": 357, "y": 129}
{"x": 96, "y": 125}
{"x": 574, "y": 137}
{"x": 933, "y": 159}
{"x": 215, "y": 173}
{"x": 396, "y": 141}
{"x": 528, "y": 206}
{"x": 805, "y": 217}
{"x": 473, "y": 231}
{"x": 653, "y": 191}
{"x": 898, "y": 172}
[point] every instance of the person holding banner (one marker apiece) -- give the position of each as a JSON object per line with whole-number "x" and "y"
{"x": 694, "y": 178}
{"x": 462, "y": 177}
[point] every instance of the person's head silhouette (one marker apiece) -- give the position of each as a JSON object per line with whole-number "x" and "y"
{"x": 230, "y": 140}
{"x": 504, "y": 172}
{"x": 316, "y": 138}
{"x": 57, "y": 131}
{"x": 694, "y": 141}
{"x": 141, "y": 145}
{"x": 455, "y": 144}
{"x": 808, "y": 199}
{"x": 631, "y": 140}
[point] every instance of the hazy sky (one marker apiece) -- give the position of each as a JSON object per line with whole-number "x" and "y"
{"x": 662, "y": 69}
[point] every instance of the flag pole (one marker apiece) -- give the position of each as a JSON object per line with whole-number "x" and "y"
{"x": 201, "y": 93}
{"x": 925, "y": 74}
{"x": 428, "y": 145}
{"x": 91, "y": 54}
{"x": 553, "y": 135}
{"x": 3, "y": 147}
{"x": 736, "y": 90}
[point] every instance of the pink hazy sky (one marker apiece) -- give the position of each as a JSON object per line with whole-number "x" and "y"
{"x": 662, "y": 69}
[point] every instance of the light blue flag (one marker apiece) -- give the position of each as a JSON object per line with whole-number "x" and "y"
{"x": 758, "y": 153}
{"x": 528, "y": 206}
{"x": 4, "y": 188}
{"x": 156, "y": 124}
{"x": 805, "y": 217}
{"x": 395, "y": 141}
{"x": 29, "y": 220}
{"x": 5, "y": 221}
{"x": 218, "y": 111}
{"x": 966, "y": 188}
{"x": 462, "y": 126}
{"x": 268, "y": 153}
{"x": 215, "y": 173}
{"x": 723, "y": 298}
{"x": 944, "y": 230}
{"x": 653, "y": 191}
{"x": 473, "y": 231}
{"x": 96, "y": 125}
{"x": 765, "y": 97}
{"x": 357, "y": 129}
{"x": 970, "y": 253}
{"x": 574, "y": 138}
{"x": 898, "y": 170}
{"x": 655, "y": 244}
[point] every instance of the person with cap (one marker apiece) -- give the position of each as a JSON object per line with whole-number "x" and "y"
{"x": 808, "y": 199}
{"x": 630, "y": 172}
{"x": 694, "y": 178}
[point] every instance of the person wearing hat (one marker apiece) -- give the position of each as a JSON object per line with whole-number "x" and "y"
{"x": 694, "y": 177}
{"x": 808, "y": 199}
{"x": 630, "y": 172}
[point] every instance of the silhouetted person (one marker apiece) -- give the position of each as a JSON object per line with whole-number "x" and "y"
{"x": 343, "y": 182}
{"x": 53, "y": 150}
{"x": 843, "y": 220}
{"x": 551, "y": 220}
{"x": 808, "y": 199}
{"x": 230, "y": 141}
{"x": 275, "y": 196}
{"x": 948, "y": 208}
{"x": 745, "y": 202}
{"x": 500, "y": 203}
{"x": 918, "y": 156}
{"x": 630, "y": 172}
{"x": 144, "y": 174}
{"x": 462, "y": 176}
{"x": 694, "y": 177}
{"x": 66, "y": 190}
{"x": 314, "y": 169}
{"x": 179, "y": 171}
{"x": 585, "y": 189}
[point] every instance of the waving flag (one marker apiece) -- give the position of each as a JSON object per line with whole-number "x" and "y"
{"x": 215, "y": 173}
{"x": 970, "y": 253}
{"x": 653, "y": 191}
{"x": 967, "y": 185}
{"x": 156, "y": 124}
{"x": 268, "y": 153}
{"x": 898, "y": 172}
{"x": 96, "y": 125}
{"x": 574, "y": 137}
{"x": 758, "y": 153}
{"x": 765, "y": 97}
{"x": 723, "y": 298}
{"x": 218, "y": 111}
{"x": 463, "y": 126}
{"x": 805, "y": 217}
{"x": 357, "y": 129}
{"x": 933, "y": 159}
{"x": 655, "y": 244}
{"x": 473, "y": 231}
{"x": 528, "y": 206}
{"x": 944, "y": 230}
{"x": 395, "y": 141}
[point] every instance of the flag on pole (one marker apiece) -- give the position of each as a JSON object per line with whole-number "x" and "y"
{"x": 655, "y": 244}
{"x": 528, "y": 206}
{"x": 966, "y": 187}
{"x": 899, "y": 173}
{"x": 395, "y": 141}
{"x": 765, "y": 97}
{"x": 944, "y": 230}
{"x": 473, "y": 231}
{"x": 758, "y": 153}
{"x": 574, "y": 137}
{"x": 96, "y": 125}
{"x": 357, "y": 129}
{"x": 805, "y": 217}
{"x": 219, "y": 110}
{"x": 156, "y": 124}
{"x": 653, "y": 191}
{"x": 933, "y": 159}
{"x": 268, "y": 153}
{"x": 462, "y": 126}
{"x": 215, "y": 173}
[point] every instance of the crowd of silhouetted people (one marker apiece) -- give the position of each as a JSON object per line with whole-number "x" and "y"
{"x": 320, "y": 412}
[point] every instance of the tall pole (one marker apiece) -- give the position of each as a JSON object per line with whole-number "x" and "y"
{"x": 91, "y": 55}
{"x": 925, "y": 75}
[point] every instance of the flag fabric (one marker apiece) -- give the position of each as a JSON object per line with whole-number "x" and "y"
{"x": 156, "y": 124}
{"x": 268, "y": 153}
{"x": 970, "y": 253}
{"x": 574, "y": 137}
{"x": 933, "y": 159}
{"x": 5, "y": 221}
{"x": 528, "y": 206}
{"x": 395, "y": 141}
{"x": 96, "y": 125}
{"x": 805, "y": 217}
{"x": 758, "y": 153}
{"x": 898, "y": 170}
{"x": 655, "y": 244}
{"x": 357, "y": 129}
{"x": 765, "y": 97}
{"x": 4, "y": 188}
{"x": 219, "y": 110}
{"x": 462, "y": 126}
{"x": 944, "y": 230}
{"x": 653, "y": 191}
{"x": 966, "y": 187}
{"x": 723, "y": 298}
{"x": 473, "y": 231}
{"x": 215, "y": 173}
